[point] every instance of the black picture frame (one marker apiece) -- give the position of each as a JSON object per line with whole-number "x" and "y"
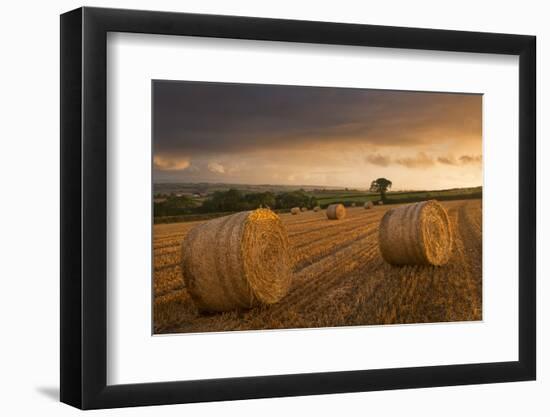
{"x": 84, "y": 207}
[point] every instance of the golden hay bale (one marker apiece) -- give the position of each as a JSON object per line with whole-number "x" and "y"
{"x": 316, "y": 209}
{"x": 416, "y": 234}
{"x": 295, "y": 210}
{"x": 304, "y": 208}
{"x": 336, "y": 211}
{"x": 353, "y": 204}
{"x": 237, "y": 261}
{"x": 369, "y": 205}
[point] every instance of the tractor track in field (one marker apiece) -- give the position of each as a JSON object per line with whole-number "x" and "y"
{"x": 329, "y": 232}
{"x": 332, "y": 225}
{"x": 319, "y": 250}
{"x": 321, "y": 283}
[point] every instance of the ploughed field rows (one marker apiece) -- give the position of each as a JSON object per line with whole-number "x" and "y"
{"x": 339, "y": 277}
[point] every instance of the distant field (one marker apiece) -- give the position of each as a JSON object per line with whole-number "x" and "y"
{"x": 187, "y": 218}
{"x": 208, "y": 188}
{"x": 339, "y": 277}
{"x": 348, "y": 197}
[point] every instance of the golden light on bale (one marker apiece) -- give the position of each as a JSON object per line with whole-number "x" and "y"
{"x": 238, "y": 261}
{"x": 304, "y": 208}
{"x": 369, "y": 205}
{"x": 336, "y": 212}
{"x": 416, "y": 234}
{"x": 295, "y": 210}
{"x": 316, "y": 209}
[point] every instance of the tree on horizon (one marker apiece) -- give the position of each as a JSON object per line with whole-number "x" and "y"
{"x": 381, "y": 185}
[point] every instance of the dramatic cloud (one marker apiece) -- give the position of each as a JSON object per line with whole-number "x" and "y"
{"x": 421, "y": 160}
{"x": 215, "y": 167}
{"x": 194, "y": 117}
{"x": 276, "y": 134}
{"x": 462, "y": 160}
{"x": 377, "y": 159}
{"x": 469, "y": 159}
{"x": 170, "y": 164}
{"x": 446, "y": 160}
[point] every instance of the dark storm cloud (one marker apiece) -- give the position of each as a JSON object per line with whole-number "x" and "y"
{"x": 192, "y": 119}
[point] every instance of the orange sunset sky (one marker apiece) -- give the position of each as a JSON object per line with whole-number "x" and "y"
{"x": 268, "y": 134}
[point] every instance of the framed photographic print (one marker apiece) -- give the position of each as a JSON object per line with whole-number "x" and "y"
{"x": 258, "y": 207}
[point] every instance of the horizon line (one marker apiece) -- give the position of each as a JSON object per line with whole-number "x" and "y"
{"x": 306, "y": 185}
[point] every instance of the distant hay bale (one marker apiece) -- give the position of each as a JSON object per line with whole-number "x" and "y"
{"x": 295, "y": 210}
{"x": 336, "y": 212}
{"x": 304, "y": 208}
{"x": 369, "y": 205}
{"x": 380, "y": 203}
{"x": 237, "y": 261}
{"x": 316, "y": 209}
{"x": 416, "y": 234}
{"x": 353, "y": 204}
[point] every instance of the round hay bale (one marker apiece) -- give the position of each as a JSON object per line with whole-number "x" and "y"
{"x": 380, "y": 203}
{"x": 316, "y": 209}
{"x": 304, "y": 209}
{"x": 369, "y": 205}
{"x": 237, "y": 261}
{"x": 353, "y": 204}
{"x": 295, "y": 210}
{"x": 416, "y": 234}
{"x": 336, "y": 212}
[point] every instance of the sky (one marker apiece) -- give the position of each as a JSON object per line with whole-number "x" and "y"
{"x": 325, "y": 136}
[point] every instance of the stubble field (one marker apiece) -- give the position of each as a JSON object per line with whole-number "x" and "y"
{"x": 339, "y": 277}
